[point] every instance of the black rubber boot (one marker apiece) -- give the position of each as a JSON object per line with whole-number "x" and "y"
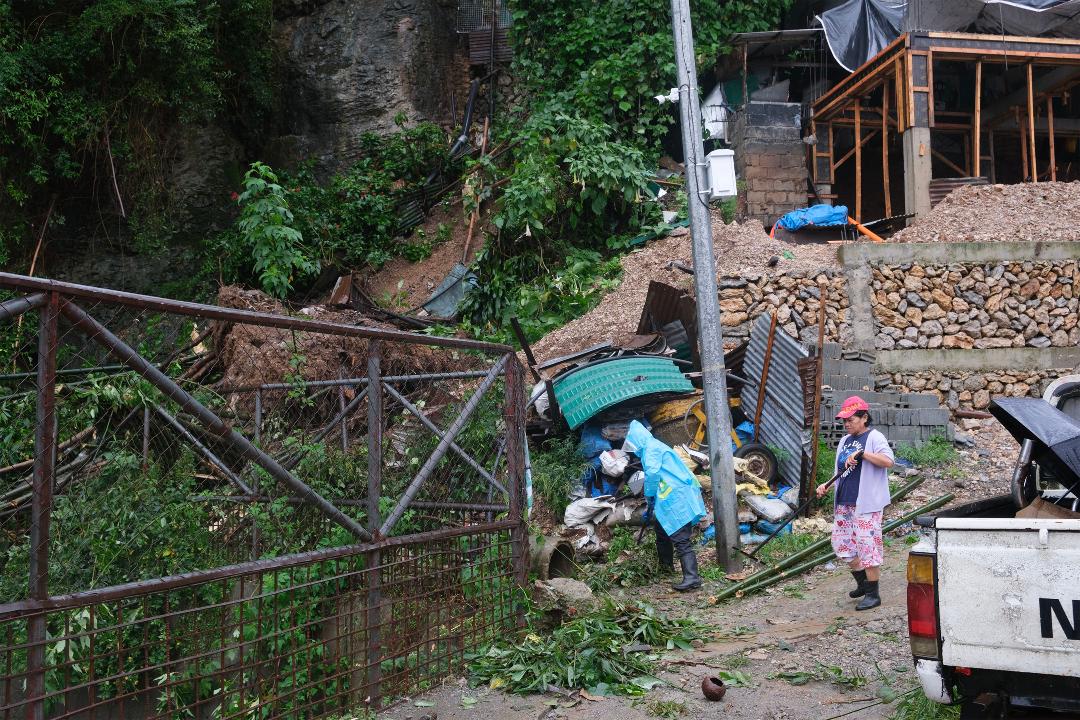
{"x": 690, "y": 578}
{"x": 665, "y": 552}
{"x": 871, "y": 599}
{"x": 860, "y": 582}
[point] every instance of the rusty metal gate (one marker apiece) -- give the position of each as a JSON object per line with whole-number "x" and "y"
{"x": 218, "y": 512}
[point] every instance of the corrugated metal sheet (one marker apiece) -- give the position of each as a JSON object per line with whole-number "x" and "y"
{"x": 664, "y": 304}
{"x": 782, "y": 417}
{"x": 941, "y": 187}
{"x": 584, "y": 393}
{"x": 480, "y": 47}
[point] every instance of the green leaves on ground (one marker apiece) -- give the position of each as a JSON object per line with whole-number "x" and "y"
{"x": 592, "y": 652}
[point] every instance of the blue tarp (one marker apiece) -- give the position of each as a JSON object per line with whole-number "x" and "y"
{"x": 818, "y": 215}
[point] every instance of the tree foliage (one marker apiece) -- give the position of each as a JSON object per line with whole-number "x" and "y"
{"x": 87, "y": 88}
{"x": 584, "y": 145}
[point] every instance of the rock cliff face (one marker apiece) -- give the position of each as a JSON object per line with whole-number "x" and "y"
{"x": 351, "y": 66}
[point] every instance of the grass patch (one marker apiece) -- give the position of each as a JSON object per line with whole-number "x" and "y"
{"x": 587, "y": 652}
{"x": 782, "y": 546}
{"x": 826, "y": 466}
{"x": 795, "y": 590}
{"x": 734, "y": 662}
{"x": 936, "y": 452}
{"x": 914, "y": 705}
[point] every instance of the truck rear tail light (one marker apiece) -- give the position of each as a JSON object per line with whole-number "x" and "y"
{"x": 922, "y": 606}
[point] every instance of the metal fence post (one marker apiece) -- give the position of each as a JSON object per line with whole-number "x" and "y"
{"x": 44, "y": 466}
{"x": 515, "y": 464}
{"x": 374, "y": 558}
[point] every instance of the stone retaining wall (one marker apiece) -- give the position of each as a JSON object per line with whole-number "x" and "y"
{"x": 794, "y": 296}
{"x": 956, "y": 390}
{"x": 982, "y": 306}
{"x": 964, "y": 321}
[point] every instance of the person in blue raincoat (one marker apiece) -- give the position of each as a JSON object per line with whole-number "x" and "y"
{"x": 675, "y": 502}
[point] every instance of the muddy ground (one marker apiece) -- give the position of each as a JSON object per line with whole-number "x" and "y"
{"x": 807, "y": 624}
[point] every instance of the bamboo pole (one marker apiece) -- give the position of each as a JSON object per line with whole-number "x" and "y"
{"x": 795, "y": 557}
{"x": 1031, "y": 126}
{"x": 977, "y": 135}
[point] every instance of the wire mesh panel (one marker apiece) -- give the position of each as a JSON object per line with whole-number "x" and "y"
{"x": 151, "y": 439}
{"x": 476, "y": 14}
{"x": 299, "y": 637}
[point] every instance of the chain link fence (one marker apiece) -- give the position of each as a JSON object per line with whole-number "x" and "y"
{"x": 219, "y": 512}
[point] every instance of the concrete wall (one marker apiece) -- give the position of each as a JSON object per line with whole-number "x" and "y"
{"x": 770, "y": 158}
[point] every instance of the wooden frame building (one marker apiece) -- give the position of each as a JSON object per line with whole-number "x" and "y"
{"x": 937, "y": 107}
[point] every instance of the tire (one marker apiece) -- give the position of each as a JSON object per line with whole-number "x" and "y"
{"x": 763, "y": 462}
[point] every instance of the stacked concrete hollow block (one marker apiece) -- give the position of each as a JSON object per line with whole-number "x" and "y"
{"x": 904, "y": 418}
{"x": 770, "y": 158}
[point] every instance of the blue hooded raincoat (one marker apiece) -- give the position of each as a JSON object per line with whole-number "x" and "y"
{"x": 669, "y": 485}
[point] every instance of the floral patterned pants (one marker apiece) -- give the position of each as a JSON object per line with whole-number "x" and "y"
{"x": 857, "y": 535}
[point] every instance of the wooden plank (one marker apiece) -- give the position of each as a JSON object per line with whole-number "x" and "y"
{"x": 899, "y": 83}
{"x": 990, "y": 150}
{"x": 850, "y": 153}
{"x": 745, "y": 98}
{"x": 857, "y": 82}
{"x": 995, "y": 40}
{"x": 1031, "y": 125}
{"x": 885, "y": 149}
{"x": 930, "y": 87}
{"x": 909, "y": 82}
{"x": 960, "y": 172}
{"x": 858, "y": 159}
{"x": 1050, "y": 129}
{"x": 832, "y": 151}
{"x": 1007, "y": 56}
{"x": 977, "y": 151}
{"x": 1023, "y": 141}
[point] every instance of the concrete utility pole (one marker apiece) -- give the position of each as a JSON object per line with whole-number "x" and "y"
{"x": 710, "y": 337}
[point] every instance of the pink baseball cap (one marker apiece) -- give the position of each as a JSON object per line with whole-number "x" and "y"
{"x": 851, "y": 406}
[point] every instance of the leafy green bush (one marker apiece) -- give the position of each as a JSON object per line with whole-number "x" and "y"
{"x": 266, "y": 232}
{"x": 515, "y": 285}
{"x": 556, "y": 466}
{"x": 293, "y": 226}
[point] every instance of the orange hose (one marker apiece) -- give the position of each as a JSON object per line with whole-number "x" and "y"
{"x": 864, "y": 230}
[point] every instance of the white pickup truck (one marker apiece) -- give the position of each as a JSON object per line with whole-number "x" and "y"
{"x": 994, "y": 586}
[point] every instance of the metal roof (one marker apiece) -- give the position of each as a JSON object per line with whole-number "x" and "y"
{"x": 591, "y": 389}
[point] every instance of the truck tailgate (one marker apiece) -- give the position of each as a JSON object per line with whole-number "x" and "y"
{"x": 1008, "y": 594}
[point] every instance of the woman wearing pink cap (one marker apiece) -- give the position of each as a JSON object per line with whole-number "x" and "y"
{"x": 862, "y": 492}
